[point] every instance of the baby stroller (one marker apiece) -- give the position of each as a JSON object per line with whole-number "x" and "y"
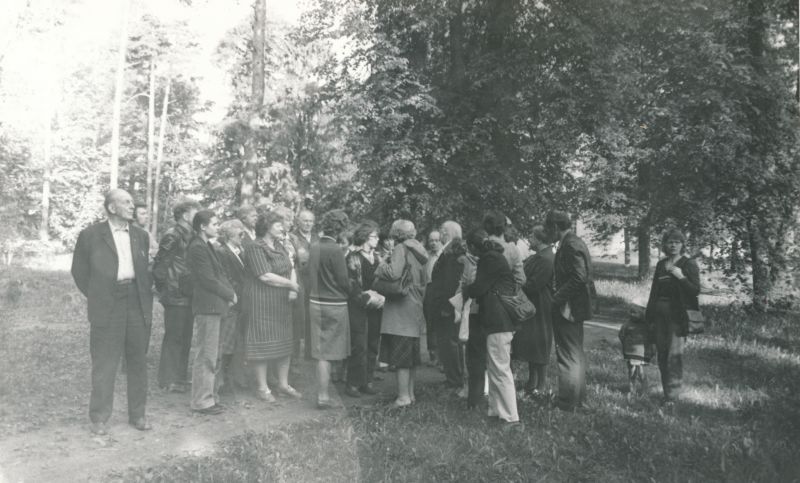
{"x": 637, "y": 347}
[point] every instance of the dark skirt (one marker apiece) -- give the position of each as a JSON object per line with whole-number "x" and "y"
{"x": 534, "y": 341}
{"x": 330, "y": 330}
{"x": 400, "y": 351}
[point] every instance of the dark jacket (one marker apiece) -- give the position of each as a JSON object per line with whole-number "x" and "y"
{"x": 212, "y": 290}
{"x": 94, "y": 269}
{"x": 539, "y": 281}
{"x": 686, "y": 297}
{"x": 169, "y": 266}
{"x": 302, "y": 249}
{"x": 573, "y": 277}
{"x": 328, "y": 271}
{"x": 445, "y": 279}
{"x": 233, "y": 266}
{"x": 493, "y": 276}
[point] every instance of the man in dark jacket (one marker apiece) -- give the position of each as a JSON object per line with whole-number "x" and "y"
{"x": 173, "y": 283}
{"x": 572, "y": 305}
{"x": 445, "y": 278}
{"x": 110, "y": 267}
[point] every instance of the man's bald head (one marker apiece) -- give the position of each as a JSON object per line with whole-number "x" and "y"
{"x": 119, "y": 205}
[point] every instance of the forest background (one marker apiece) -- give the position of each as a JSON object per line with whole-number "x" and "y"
{"x": 632, "y": 115}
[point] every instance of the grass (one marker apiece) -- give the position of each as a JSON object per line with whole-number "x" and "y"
{"x": 739, "y": 419}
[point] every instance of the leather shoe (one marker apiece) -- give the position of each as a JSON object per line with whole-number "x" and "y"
{"x": 176, "y": 388}
{"x": 351, "y": 391}
{"x": 99, "y": 429}
{"x": 368, "y": 389}
{"x": 141, "y": 424}
{"x": 210, "y": 411}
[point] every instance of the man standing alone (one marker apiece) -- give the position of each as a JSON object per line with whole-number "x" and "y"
{"x": 572, "y": 305}
{"x": 110, "y": 267}
{"x": 173, "y": 282}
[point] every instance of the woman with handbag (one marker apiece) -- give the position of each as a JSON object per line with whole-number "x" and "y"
{"x": 493, "y": 279}
{"x": 676, "y": 285}
{"x": 402, "y": 280}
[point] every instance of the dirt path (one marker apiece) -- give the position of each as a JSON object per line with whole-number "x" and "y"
{"x": 70, "y": 453}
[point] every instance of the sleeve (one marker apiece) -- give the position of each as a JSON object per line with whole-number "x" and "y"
{"x": 649, "y": 316}
{"x": 578, "y": 276}
{"x": 256, "y": 261}
{"x": 393, "y": 268}
{"x": 203, "y": 272}
{"x": 166, "y": 250}
{"x": 691, "y": 284}
{"x": 485, "y": 277}
{"x": 81, "y": 263}
{"x": 538, "y": 273}
{"x": 516, "y": 268}
{"x": 338, "y": 268}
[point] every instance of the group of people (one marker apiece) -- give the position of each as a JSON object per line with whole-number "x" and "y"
{"x": 261, "y": 294}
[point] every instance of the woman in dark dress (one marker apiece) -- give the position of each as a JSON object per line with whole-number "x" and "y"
{"x": 269, "y": 290}
{"x": 676, "y": 285}
{"x": 364, "y": 306}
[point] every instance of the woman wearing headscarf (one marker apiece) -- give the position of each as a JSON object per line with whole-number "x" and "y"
{"x": 402, "y": 321}
{"x": 676, "y": 285}
{"x": 328, "y": 293}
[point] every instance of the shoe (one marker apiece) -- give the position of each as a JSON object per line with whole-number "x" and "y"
{"x": 176, "y": 388}
{"x": 265, "y": 395}
{"x": 513, "y": 426}
{"x": 351, "y": 391}
{"x": 325, "y": 404}
{"x": 397, "y": 404}
{"x": 141, "y": 424}
{"x": 368, "y": 389}
{"x": 289, "y": 391}
{"x": 210, "y": 411}
{"x": 99, "y": 429}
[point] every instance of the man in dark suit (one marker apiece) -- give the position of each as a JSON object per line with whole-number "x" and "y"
{"x": 110, "y": 267}
{"x": 302, "y": 237}
{"x": 445, "y": 279}
{"x": 572, "y": 305}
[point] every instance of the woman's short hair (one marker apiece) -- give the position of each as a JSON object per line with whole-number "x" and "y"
{"x": 228, "y": 229}
{"x": 333, "y": 223}
{"x": 202, "y": 218}
{"x": 475, "y": 239}
{"x": 674, "y": 234}
{"x": 494, "y": 223}
{"x": 242, "y": 211}
{"x": 402, "y": 230}
{"x": 265, "y": 222}
{"x": 184, "y": 207}
{"x": 363, "y": 231}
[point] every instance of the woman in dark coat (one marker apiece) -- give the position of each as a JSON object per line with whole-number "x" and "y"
{"x": 328, "y": 293}
{"x": 676, "y": 285}
{"x": 269, "y": 290}
{"x": 364, "y": 306}
{"x": 534, "y": 341}
{"x": 493, "y": 277}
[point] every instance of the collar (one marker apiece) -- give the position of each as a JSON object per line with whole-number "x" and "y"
{"x": 124, "y": 228}
{"x": 233, "y": 248}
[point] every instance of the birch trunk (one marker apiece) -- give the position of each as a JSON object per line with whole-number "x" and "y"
{"x": 161, "y": 138}
{"x": 119, "y": 87}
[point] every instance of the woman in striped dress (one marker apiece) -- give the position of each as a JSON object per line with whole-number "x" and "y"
{"x": 269, "y": 291}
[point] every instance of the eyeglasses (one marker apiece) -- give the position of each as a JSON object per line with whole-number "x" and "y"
{"x": 373, "y": 236}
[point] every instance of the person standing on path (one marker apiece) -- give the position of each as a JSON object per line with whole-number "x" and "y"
{"x": 213, "y": 296}
{"x": 173, "y": 283}
{"x": 110, "y": 267}
{"x": 534, "y": 341}
{"x": 572, "y": 305}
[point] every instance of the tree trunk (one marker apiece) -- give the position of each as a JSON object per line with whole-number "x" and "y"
{"x": 119, "y": 87}
{"x": 151, "y": 135}
{"x": 761, "y": 279}
{"x": 250, "y": 158}
{"x": 626, "y": 235}
{"x": 643, "y": 236}
{"x": 735, "y": 260}
{"x": 161, "y": 138}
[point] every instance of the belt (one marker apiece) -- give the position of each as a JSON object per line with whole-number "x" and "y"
{"x": 126, "y": 282}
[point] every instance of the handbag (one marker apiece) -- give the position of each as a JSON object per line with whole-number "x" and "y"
{"x": 394, "y": 289}
{"x": 518, "y": 307}
{"x": 697, "y": 322}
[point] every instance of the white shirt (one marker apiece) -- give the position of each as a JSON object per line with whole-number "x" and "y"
{"x": 122, "y": 241}
{"x": 236, "y": 251}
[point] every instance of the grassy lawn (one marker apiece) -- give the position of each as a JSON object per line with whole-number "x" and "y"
{"x": 739, "y": 419}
